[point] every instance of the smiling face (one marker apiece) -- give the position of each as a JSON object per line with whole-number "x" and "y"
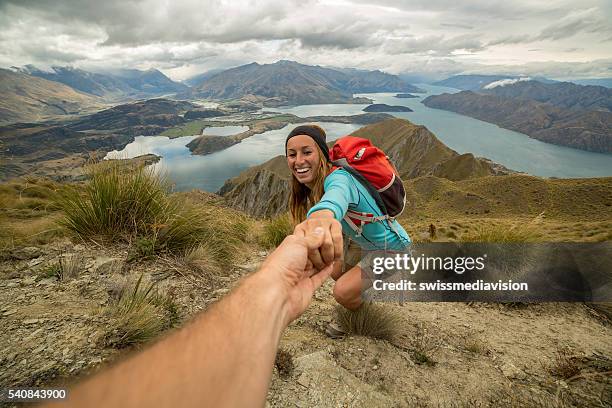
{"x": 303, "y": 158}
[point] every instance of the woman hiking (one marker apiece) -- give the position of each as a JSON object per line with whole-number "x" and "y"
{"x": 322, "y": 194}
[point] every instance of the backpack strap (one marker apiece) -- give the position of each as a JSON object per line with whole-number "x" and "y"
{"x": 373, "y": 192}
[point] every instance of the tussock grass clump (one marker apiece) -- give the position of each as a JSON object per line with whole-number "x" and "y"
{"x": 134, "y": 204}
{"x": 276, "y": 230}
{"x": 117, "y": 201}
{"x": 34, "y": 231}
{"x": 423, "y": 346}
{"x": 502, "y": 234}
{"x": 139, "y": 315}
{"x": 474, "y": 344}
{"x": 27, "y": 213}
{"x": 205, "y": 259}
{"x": 369, "y": 320}
{"x": 70, "y": 266}
{"x": 284, "y": 363}
{"x": 564, "y": 365}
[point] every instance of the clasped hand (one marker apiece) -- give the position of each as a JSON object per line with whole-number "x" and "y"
{"x": 331, "y": 250}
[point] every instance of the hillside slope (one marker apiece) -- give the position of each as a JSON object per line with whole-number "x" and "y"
{"x": 560, "y": 94}
{"x": 586, "y": 130}
{"x": 114, "y": 85}
{"x": 28, "y": 98}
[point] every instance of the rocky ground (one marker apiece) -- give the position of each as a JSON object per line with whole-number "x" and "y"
{"x": 440, "y": 354}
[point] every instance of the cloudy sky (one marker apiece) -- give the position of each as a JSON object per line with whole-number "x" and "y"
{"x": 437, "y": 38}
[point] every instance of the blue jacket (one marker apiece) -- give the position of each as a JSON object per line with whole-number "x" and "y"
{"x": 344, "y": 192}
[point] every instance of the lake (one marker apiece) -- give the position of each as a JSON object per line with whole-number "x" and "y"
{"x": 467, "y": 135}
{"x": 461, "y": 133}
{"x": 208, "y": 173}
{"x": 224, "y": 130}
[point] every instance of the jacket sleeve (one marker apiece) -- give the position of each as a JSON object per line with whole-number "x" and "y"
{"x": 340, "y": 192}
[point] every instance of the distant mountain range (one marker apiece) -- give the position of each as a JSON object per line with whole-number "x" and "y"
{"x": 478, "y": 82}
{"x": 199, "y": 79}
{"x": 607, "y": 82}
{"x": 29, "y": 99}
{"x": 112, "y": 85}
{"x": 561, "y": 113}
{"x": 288, "y": 82}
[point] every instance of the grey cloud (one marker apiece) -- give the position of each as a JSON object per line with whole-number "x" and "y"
{"x": 51, "y": 54}
{"x": 467, "y": 27}
{"x": 513, "y": 39}
{"x": 589, "y": 21}
{"x": 438, "y": 45}
{"x": 393, "y": 35}
{"x": 473, "y": 8}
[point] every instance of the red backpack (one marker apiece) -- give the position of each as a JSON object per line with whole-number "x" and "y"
{"x": 373, "y": 169}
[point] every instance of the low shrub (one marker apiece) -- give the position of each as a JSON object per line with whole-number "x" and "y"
{"x": 502, "y": 234}
{"x": 134, "y": 204}
{"x": 70, "y": 266}
{"x": 284, "y": 363}
{"x": 116, "y": 202}
{"x": 564, "y": 365}
{"x": 137, "y": 317}
{"x": 423, "y": 346}
{"x": 369, "y": 320}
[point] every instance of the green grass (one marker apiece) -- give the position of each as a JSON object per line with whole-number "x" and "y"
{"x": 188, "y": 129}
{"x": 28, "y": 213}
{"x": 134, "y": 205}
{"x": 137, "y": 317}
{"x": 502, "y": 234}
{"x": 276, "y": 230}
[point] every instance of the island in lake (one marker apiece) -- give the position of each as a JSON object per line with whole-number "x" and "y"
{"x": 383, "y": 107}
{"x": 405, "y": 95}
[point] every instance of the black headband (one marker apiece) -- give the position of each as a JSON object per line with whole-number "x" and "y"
{"x": 317, "y": 134}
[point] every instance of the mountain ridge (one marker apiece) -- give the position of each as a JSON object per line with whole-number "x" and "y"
{"x": 580, "y": 129}
{"x": 292, "y": 83}
{"x": 113, "y": 84}
{"x": 27, "y": 98}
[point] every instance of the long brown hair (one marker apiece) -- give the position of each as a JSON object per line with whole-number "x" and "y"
{"x": 302, "y": 197}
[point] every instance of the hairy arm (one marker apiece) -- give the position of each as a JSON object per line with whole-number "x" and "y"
{"x": 225, "y": 356}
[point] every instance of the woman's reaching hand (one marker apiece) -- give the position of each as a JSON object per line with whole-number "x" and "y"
{"x": 331, "y": 250}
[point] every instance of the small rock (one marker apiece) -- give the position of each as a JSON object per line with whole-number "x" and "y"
{"x": 262, "y": 253}
{"x": 26, "y": 253}
{"x": 38, "y": 349}
{"x": 34, "y": 333}
{"x": 28, "y": 281}
{"x": 510, "y": 371}
{"x": 375, "y": 367}
{"x": 250, "y": 267}
{"x": 30, "y": 321}
{"x": 35, "y": 262}
{"x": 47, "y": 282}
{"x": 105, "y": 265}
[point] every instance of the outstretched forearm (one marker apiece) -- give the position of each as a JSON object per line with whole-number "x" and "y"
{"x": 223, "y": 358}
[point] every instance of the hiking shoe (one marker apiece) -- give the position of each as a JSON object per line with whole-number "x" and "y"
{"x": 334, "y": 331}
